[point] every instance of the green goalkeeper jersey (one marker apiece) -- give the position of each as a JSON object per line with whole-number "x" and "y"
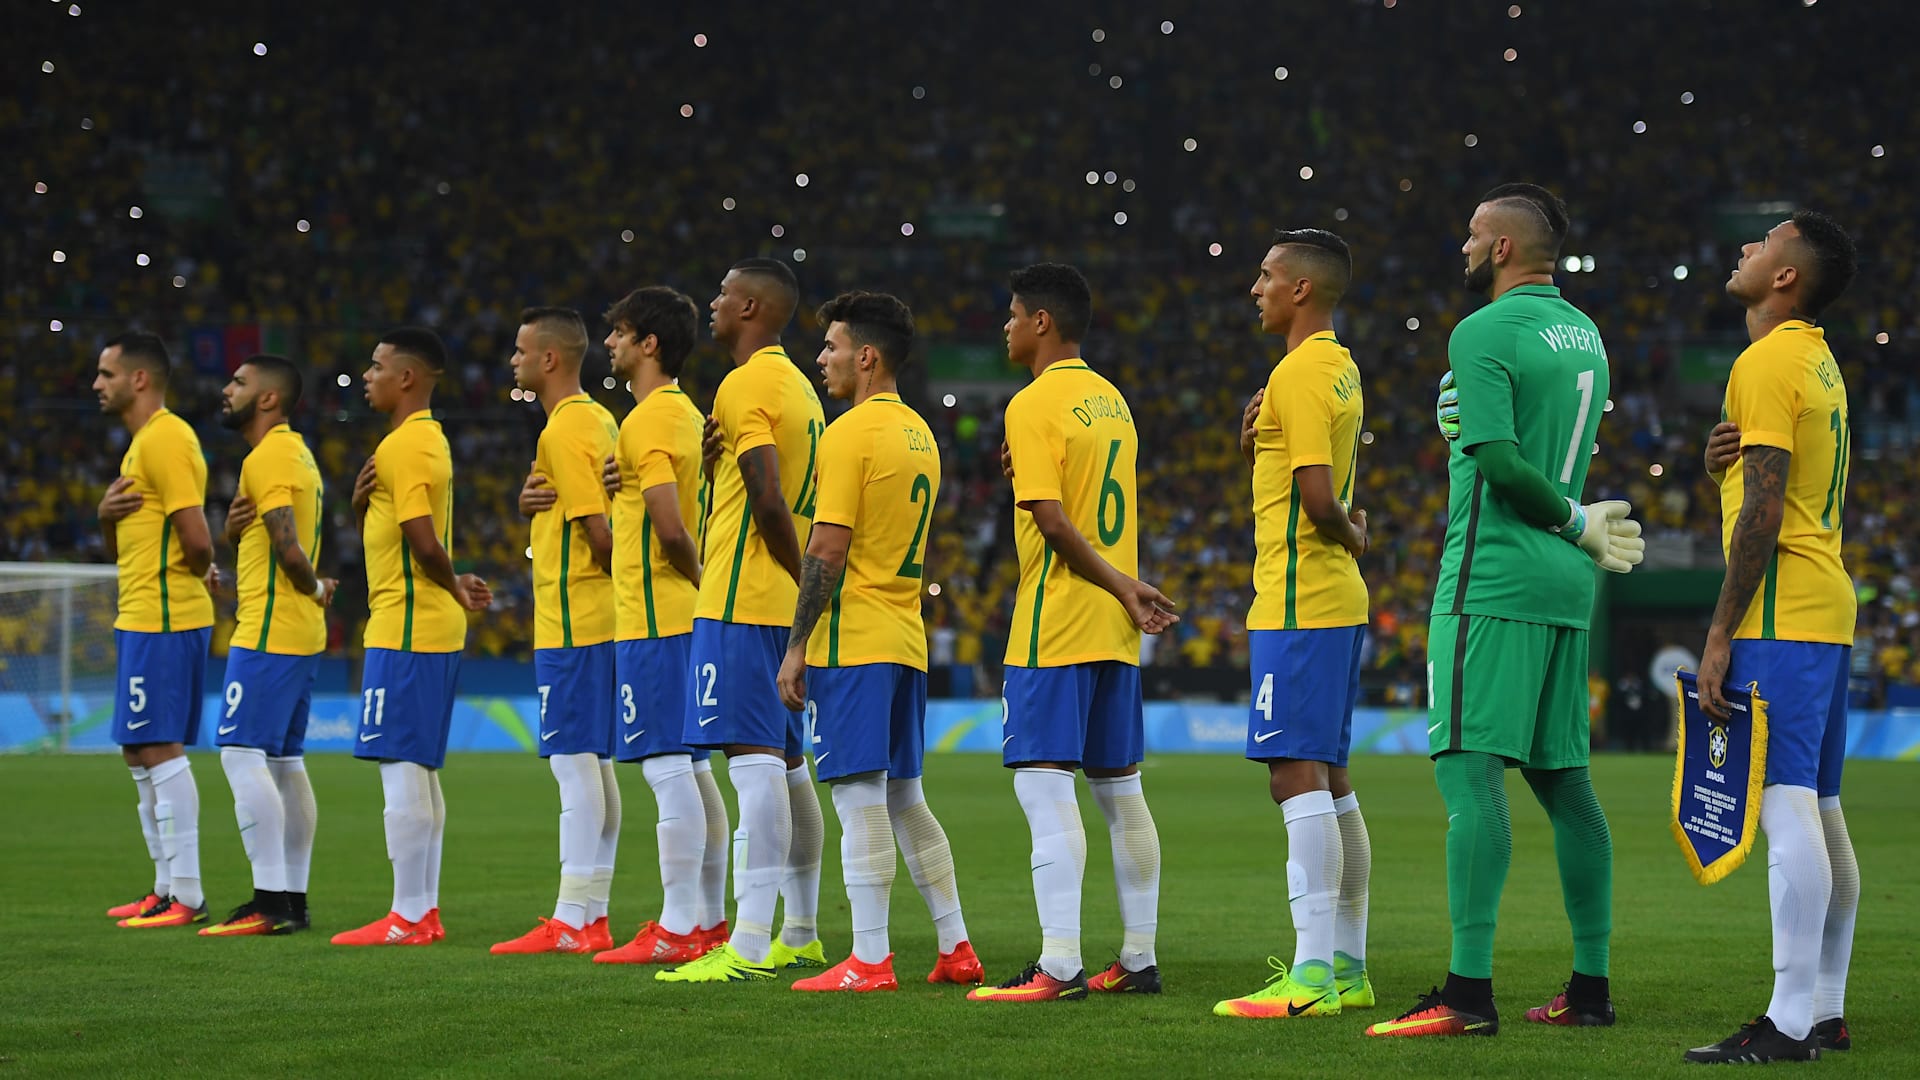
{"x": 1530, "y": 370}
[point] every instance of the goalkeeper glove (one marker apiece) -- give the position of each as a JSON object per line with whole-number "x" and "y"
{"x": 1447, "y": 409}
{"x": 1605, "y": 532}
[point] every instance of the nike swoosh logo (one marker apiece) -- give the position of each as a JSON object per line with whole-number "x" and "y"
{"x": 1005, "y": 741}
{"x": 1434, "y": 726}
{"x": 818, "y": 758}
{"x": 1296, "y": 1010}
{"x": 705, "y": 720}
{"x": 636, "y": 734}
{"x": 1264, "y": 736}
{"x": 1555, "y": 1014}
{"x": 229, "y": 729}
{"x": 370, "y": 738}
{"x": 545, "y": 735}
{"x": 131, "y": 726}
{"x": 1450, "y": 818}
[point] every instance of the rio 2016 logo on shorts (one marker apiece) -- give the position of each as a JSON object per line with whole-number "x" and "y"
{"x": 1717, "y": 746}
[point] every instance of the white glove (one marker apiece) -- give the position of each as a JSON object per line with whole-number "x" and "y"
{"x": 1605, "y": 532}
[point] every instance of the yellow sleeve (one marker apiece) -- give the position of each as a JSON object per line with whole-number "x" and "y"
{"x": 175, "y": 468}
{"x": 1304, "y": 411}
{"x": 649, "y": 450}
{"x": 1039, "y": 452}
{"x": 412, "y": 481}
{"x": 272, "y": 482}
{"x": 575, "y": 468}
{"x": 842, "y": 477}
{"x": 1763, "y": 399}
{"x": 743, "y": 411}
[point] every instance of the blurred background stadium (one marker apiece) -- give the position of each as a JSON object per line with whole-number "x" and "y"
{"x": 295, "y": 181}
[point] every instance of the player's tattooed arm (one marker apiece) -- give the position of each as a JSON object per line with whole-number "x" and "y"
{"x": 287, "y": 551}
{"x": 760, "y": 473}
{"x": 821, "y": 569}
{"x": 817, "y": 582}
{"x": 1755, "y": 533}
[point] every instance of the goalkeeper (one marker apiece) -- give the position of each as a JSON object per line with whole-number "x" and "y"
{"x": 1507, "y": 646}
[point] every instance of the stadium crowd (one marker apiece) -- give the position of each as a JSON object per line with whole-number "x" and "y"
{"x": 263, "y": 188}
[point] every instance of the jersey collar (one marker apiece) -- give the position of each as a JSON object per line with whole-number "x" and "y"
{"x": 570, "y": 399}
{"x": 418, "y": 414}
{"x": 280, "y": 427}
{"x": 1790, "y": 324}
{"x": 1075, "y": 364}
{"x": 1530, "y": 290}
{"x": 771, "y": 350}
{"x": 886, "y": 395}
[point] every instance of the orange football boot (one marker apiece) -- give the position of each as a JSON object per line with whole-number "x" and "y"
{"x": 654, "y": 944}
{"x": 430, "y": 922}
{"x": 137, "y": 907}
{"x": 169, "y": 913}
{"x": 960, "y": 966}
{"x": 599, "y": 935}
{"x": 852, "y": 976}
{"x": 390, "y": 929}
{"x": 551, "y": 936}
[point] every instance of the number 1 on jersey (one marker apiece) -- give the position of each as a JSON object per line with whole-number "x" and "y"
{"x": 1585, "y": 384}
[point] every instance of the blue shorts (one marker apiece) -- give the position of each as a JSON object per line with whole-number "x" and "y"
{"x": 1305, "y": 684}
{"x": 1085, "y": 713}
{"x": 264, "y": 703}
{"x": 734, "y": 698}
{"x": 868, "y": 718}
{"x": 576, "y": 699}
{"x": 650, "y": 703}
{"x": 1804, "y": 684}
{"x": 158, "y": 685}
{"x": 406, "y": 706}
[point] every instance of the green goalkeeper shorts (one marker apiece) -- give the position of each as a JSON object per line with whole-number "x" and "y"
{"x": 1515, "y": 689}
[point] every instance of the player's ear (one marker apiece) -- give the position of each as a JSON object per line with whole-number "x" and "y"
{"x": 1042, "y": 322}
{"x": 1302, "y": 292}
{"x": 650, "y": 345}
{"x": 1785, "y": 277}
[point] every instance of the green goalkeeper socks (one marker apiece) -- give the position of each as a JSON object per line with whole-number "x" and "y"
{"x": 1479, "y": 848}
{"x": 1584, "y": 848}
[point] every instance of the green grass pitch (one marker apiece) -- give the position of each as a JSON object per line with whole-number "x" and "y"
{"x": 81, "y": 997}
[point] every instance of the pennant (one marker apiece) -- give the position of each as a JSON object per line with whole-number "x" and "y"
{"x": 1718, "y": 772}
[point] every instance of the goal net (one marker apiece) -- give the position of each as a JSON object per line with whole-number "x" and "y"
{"x": 56, "y": 653}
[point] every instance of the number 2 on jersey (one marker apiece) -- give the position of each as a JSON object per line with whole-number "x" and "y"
{"x": 922, "y": 496}
{"x": 1585, "y": 384}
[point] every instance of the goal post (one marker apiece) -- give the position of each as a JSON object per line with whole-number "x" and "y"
{"x": 56, "y": 650}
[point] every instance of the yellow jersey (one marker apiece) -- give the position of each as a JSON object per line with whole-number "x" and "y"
{"x": 879, "y": 476}
{"x": 275, "y": 616}
{"x": 1073, "y": 442}
{"x": 1785, "y": 391}
{"x": 763, "y": 402}
{"x": 572, "y": 595}
{"x": 1311, "y": 415}
{"x": 158, "y": 594}
{"x": 413, "y": 478}
{"x": 659, "y": 444}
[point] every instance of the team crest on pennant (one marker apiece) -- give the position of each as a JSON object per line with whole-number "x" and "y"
{"x": 1718, "y": 772}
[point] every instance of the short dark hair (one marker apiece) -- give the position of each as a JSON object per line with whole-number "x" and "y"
{"x": 561, "y": 324}
{"x": 1834, "y": 259}
{"x": 1332, "y": 260}
{"x": 143, "y": 350}
{"x": 877, "y": 319}
{"x": 282, "y": 374}
{"x": 420, "y": 343}
{"x": 1553, "y": 210}
{"x": 668, "y": 314}
{"x": 782, "y": 276}
{"x": 1060, "y": 291}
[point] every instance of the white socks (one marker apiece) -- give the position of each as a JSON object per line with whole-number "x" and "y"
{"x": 150, "y": 831}
{"x": 583, "y": 814}
{"x": 600, "y": 889}
{"x": 1313, "y": 873}
{"x": 436, "y": 841}
{"x": 800, "y": 885}
{"x": 682, "y": 835}
{"x": 713, "y": 863}
{"x": 760, "y": 847}
{"x": 1356, "y": 867}
{"x": 176, "y": 817}
{"x": 302, "y": 816}
{"x": 1059, "y": 863}
{"x": 866, "y": 858}
{"x": 409, "y": 821}
{"x": 1836, "y": 937}
{"x": 1136, "y": 864}
{"x": 929, "y": 859}
{"x": 257, "y": 809}
{"x": 1800, "y": 882}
